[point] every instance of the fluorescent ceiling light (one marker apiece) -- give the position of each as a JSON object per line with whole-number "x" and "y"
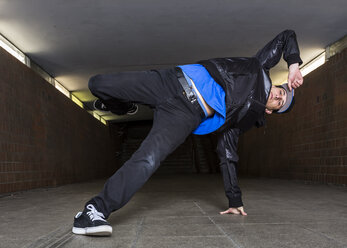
{"x": 96, "y": 115}
{"x": 76, "y": 100}
{"x": 12, "y": 49}
{"x": 61, "y": 88}
{"x": 103, "y": 121}
{"x": 313, "y": 64}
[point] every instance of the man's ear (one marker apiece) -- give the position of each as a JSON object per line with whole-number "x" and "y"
{"x": 269, "y": 112}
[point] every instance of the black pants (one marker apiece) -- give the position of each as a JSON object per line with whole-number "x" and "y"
{"x": 174, "y": 119}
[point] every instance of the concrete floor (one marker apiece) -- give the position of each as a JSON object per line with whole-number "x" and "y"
{"x": 182, "y": 210}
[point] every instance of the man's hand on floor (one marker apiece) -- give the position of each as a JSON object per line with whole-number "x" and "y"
{"x": 238, "y": 210}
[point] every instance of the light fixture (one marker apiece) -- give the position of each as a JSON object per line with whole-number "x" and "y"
{"x": 61, "y": 88}
{"x": 10, "y": 48}
{"x": 14, "y": 51}
{"x": 313, "y": 64}
{"x": 103, "y": 121}
{"x": 96, "y": 116}
{"x": 76, "y": 100}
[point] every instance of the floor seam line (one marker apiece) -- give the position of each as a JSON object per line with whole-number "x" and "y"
{"x": 225, "y": 234}
{"x": 201, "y": 210}
{"x": 138, "y": 231}
{"x": 218, "y": 227}
{"x": 56, "y": 238}
{"x": 61, "y": 241}
{"x": 321, "y": 234}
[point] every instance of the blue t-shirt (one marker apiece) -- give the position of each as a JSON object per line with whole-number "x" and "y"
{"x": 212, "y": 93}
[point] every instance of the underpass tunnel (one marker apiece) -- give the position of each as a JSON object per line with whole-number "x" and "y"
{"x": 57, "y": 151}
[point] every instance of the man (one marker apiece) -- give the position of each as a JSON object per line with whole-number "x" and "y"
{"x": 224, "y": 95}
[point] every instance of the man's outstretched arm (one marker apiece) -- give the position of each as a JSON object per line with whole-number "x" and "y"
{"x": 284, "y": 43}
{"x": 226, "y": 150}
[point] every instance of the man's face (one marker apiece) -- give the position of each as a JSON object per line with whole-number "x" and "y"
{"x": 276, "y": 99}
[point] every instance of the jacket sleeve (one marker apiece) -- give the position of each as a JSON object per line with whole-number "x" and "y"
{"x": 284, "y": 43}
{"x": 227, "y": 153}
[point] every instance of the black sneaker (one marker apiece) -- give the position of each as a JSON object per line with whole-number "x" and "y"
{"x": 98, "y": 105}
{"x": 91, "y": 222}
{"x": 133, "y": 109}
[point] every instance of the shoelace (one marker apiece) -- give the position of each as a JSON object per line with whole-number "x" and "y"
{"x": 94, "y": 214}
{"x": 103, "y": 106}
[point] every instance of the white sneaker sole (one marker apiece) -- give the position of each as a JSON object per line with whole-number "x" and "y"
{"x": 94, "y": 231}
{"x": 135, "y": 111}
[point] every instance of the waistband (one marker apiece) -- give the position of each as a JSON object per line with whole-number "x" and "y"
{"x": 194, "y": 91}
{"x": 188, "y": 92}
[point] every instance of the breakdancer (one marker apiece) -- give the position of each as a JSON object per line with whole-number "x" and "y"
{"x": 226, "y": 96}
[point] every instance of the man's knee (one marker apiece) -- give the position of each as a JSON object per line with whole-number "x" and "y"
{"x": 94, "y": 82}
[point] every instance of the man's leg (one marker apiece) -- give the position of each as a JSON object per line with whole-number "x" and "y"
{"x": 174, "y": 119}
{"x": 171, "y": 127}
{"x": 118, "y": 91}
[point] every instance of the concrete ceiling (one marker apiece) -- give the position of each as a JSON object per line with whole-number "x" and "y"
{"x": 73, "y": 40}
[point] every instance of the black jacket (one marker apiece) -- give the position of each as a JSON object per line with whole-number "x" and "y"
{"x": 247, "y": 85}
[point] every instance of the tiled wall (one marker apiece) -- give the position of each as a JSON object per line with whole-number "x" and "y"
{"x": 309, "y": 143}
{"x": 45, "y": 138}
